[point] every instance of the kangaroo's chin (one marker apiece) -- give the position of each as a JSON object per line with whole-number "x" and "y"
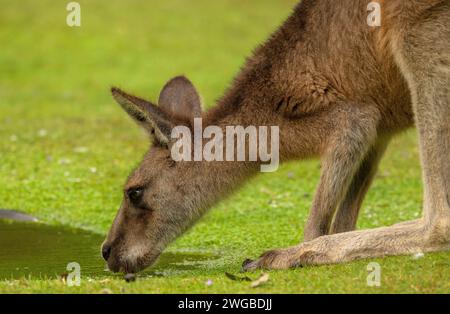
{"x": 116, "y": 265}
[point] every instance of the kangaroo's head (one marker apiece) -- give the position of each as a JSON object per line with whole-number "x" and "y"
{"x": 161, "y": 198}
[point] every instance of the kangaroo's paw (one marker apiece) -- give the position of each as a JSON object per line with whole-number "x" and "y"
{"x": 274, "y": 259}
{"x": 303, "y": 254}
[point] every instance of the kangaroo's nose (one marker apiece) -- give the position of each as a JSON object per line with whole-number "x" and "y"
{"x": 106, "y": 251}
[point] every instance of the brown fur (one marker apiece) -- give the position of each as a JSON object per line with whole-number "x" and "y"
{"x": 338, "y": 89}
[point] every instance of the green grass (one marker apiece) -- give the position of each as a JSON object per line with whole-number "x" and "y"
{"x": 57, "y": 79}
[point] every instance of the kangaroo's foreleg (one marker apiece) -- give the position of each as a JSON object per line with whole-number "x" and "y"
{"x": 355, "y": 133}
{"x": 348, "y": 211}
{"x": 423, "y": 55}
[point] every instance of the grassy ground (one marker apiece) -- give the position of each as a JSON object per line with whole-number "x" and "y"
{"x": 66, "y": 148}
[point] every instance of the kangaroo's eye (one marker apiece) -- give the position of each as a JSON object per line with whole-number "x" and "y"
{"x": 135, "y": 195}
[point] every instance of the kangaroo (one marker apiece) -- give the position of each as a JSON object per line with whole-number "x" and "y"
{"x": 339, "y": 89}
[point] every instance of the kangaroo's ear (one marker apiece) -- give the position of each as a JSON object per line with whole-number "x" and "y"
{"x": 180, "y": 99}
{"x": 146, "y": 114}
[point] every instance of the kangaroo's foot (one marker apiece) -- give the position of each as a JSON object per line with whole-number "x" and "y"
{"x": 409, "y": 238}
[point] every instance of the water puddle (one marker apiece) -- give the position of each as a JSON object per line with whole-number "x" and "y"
{"x": 37, "y": 250}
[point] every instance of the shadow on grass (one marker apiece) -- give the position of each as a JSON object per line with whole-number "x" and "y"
{"x": 36, "y": 250}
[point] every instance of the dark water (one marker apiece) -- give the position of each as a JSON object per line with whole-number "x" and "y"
{"x": 37, "y": 250}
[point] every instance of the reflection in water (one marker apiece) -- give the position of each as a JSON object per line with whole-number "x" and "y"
{"x": 42, "y": 251}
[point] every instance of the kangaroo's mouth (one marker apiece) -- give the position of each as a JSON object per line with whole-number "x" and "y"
{"x": 132, "y": 265}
